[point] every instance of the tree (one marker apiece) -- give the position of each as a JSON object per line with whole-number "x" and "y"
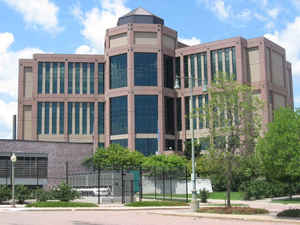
{"x": 234, "y": 116}
{"x": 115, "y": 156}
{"x": 167, "y": 163}
{"x": 279, "y": 149}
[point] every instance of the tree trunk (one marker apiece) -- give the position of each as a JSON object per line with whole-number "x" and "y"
{"x": 229, "y": 178}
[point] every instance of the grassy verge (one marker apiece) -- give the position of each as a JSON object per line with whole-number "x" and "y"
{"x": 213, "y": 195}
{"x": 156, "y": 203}
{"x": 287, "y": 201}
{"x": 233, "y": 210}
{"x": 61, "y": 204}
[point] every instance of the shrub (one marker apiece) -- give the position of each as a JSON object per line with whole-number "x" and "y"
{"x": 289, "y": 213}
{"x": 259, "y": 188}
{"x": 5, "y": 193}
{"x": 203, "y": 195}
{"x": 61, "y": 204}
{"x": 233, "y": 210}
{"x": 22, "y": 193}
{"x": 65, "y": 193}
{"x": 156, "y": 203}
{"x": 41, "y": 195}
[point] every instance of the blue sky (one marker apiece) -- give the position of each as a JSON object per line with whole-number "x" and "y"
{"x": 66, "y": 26}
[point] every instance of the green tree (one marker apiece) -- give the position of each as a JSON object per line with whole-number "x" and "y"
{"x": 279, "y": 149}
{"x": 168, "y": 163}
{"x": 115, "y": 156}
{"x": 234, "y": 117}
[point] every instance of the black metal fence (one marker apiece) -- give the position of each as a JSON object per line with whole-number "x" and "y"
{"x": 129, "y": 184}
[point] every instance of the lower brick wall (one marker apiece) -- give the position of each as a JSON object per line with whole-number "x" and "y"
{"x": 58, "y": 155}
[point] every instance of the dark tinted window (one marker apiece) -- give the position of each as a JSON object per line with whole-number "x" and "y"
{"x": 145, "y": 69}
{"x": 118, "y": 115}
{"x": 118, "y": 71}
{"x": 146, "y": 146}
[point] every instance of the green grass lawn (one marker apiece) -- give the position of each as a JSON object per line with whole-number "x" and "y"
{"x": 213, "y": 195}
{"x": 287, "y": 201}
{"x": 61, "y": 204}
{"x": 156, "y": 203}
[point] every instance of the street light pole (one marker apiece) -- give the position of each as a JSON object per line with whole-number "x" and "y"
{"x": 13, "y": 160}
{"x": 195, "y": 202}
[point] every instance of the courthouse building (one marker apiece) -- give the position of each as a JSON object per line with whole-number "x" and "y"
{"x": 127, "y": 95}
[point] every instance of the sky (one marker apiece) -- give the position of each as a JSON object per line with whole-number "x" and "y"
{"x": 78, "y": 26}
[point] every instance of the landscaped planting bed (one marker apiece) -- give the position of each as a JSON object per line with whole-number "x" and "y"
{"x": 156, "y": 203}
{"x": 233, "y": 210}
{"x": 61, "y": 204}
{"x": 289, "y": 213}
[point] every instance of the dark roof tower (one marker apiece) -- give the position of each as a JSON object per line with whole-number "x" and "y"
{"x": 140, "y": 15}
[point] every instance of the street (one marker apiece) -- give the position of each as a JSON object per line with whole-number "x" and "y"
{"x": 110, "y": 218}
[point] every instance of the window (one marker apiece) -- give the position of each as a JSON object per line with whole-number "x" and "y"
{"x": 100, "y": 78}
{"x": 186, "y": 71}
{"x": 168, "y": 72}
{"x": 118, "y": 115}
{"x": 146, "y": 115}
{"x": 220, "y": 60}
{"x": 199, "y": 69}
{"x": 227, "y": 63}
{"x": 187, "y": 112}
{"x": 205, "y": 69}
{"x": 179, "y": 145}
{"x": 118, "y": 71}
{"x": 213, "y": 65}
{"x": 192, "y": 70}
{"x": 70, "y": 117}
{"x": 178, "y": 107}
{"x": 122, "y": 142}
{"x": 40, "y": 77}
{"x": 194, "y": 111}
{"x": 84, "y": 78}
{"x": 200, "y": 101}
{"x": 177, "y": 67}
{"x": 206, "y": 102}
{"x": 39, "y": 119}
{"x": 233, "y": 62}
{"x": 145, "y": 69}
{"x": 46, "y": 121}
{"x": 47, "y": 81}
{"x": 147, "y": 146}
{"x": 84, "y": 118}
{"x": 54, "y": 80}
{"x": 100, "y": 145}
{"x": 77, "y": 113}
{"x": 61, "y": 117}
{"x": 92, "y": 72}
{"x": 54, "y": 117}
{"x": 204, "y": 143}
{"x": 169, "y": 115}
{"x": 100, "y": 117}
{"x": 62, "y": 78}
{"x": 70, "y": 78}
{"x": 92, "y": 109}
{"x": 170, "y": 145}
{"x": 77, "y": 78}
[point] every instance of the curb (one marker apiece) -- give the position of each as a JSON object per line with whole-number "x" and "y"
{"x": 231, "y": 217}
{"x": 93, "y": 209}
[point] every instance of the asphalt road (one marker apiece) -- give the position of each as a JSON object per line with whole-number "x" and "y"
{"x": 110, "y": 218}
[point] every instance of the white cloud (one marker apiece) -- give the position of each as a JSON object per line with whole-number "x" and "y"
{"x": 289, "y": 39}
{"x": 96, "y": 21}
{"x": 221, "y": 10}
{"x": 6, "y": 118}
{"x": 190, "y": 41}
{"x": 85, "y": 49}
{"x": 245, "y": 15}
{"x": 9, "y": 80}
{"x": 37, "y": 13}
{"x": 273, "y": 13}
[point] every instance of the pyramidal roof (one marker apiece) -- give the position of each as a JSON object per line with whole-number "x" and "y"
{"x": 139, "y": 11}
{"x": 140, "y": 15}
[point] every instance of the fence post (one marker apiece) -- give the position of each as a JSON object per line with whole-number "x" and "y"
{"x": 164, "y": 188}
{"x": 186, "y": 185}
{"x": 131, "y": 191}
{"x": 122, "y": 182}
{"x": 155, "y": 183}
{"x": 67, "y": 172}
{"x": 171, "y": 186}
{"x": 99, "y": 176}
{"x": 141, "y": 185}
